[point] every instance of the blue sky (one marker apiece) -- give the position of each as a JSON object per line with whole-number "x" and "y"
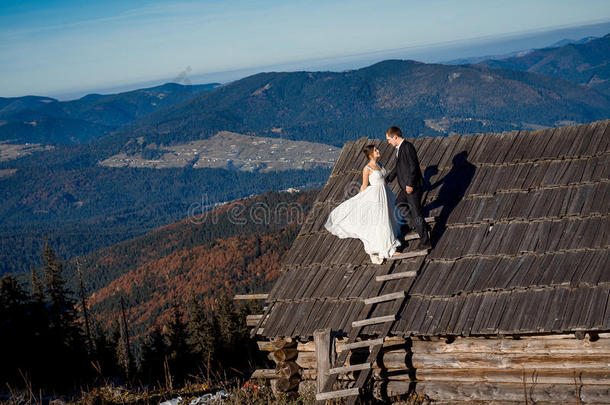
{"x": 55, "y": 47}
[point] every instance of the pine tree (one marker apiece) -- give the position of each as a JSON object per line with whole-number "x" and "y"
{"x": 63, "y": 360}
{"x": 37, "y": 286}
{"x": 61, "y": 306}
{"x": 180, "y": 355}
{"x": 15, "y": 335}
{"x": 83, "y": 300}
{"x": 152, "y": 356}
{"x": 227, "y": 321}
{"x": 105, "y": 358}
{"x": 203, "y": 336}
{"x": 124, "y": 355}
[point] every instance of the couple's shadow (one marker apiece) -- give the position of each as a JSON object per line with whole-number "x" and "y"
{"x": 453, "y": 186}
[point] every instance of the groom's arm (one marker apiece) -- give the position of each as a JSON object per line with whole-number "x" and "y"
{"x": 411, "y": 163}
{"x": 390, "y": 177}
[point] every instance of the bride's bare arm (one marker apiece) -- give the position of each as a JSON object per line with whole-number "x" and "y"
{"x": 365, "y": 179}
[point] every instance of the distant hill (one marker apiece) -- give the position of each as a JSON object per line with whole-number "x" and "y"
{"x": 333, "y": 107}
{"x": 585, "y": 62}
{"x": 44, "y": 119}
{"x": 238, "y": 247}
{"x": 232, "y": 151}
{"x": 565, "y": 42}
{"x": 478, "y": 59}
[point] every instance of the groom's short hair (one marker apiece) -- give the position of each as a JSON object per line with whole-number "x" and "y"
{"x": 394, "y": 131}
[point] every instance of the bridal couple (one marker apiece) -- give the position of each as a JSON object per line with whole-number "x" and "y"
{"x": 375, "y": 214}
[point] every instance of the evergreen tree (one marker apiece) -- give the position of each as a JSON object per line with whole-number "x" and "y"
{"x": 123, "y": 351}
{"x": 152, "y": 357}
{"x": 203, "y": 337}
{"x": 62, "y": 313}
{"x": 67, "y": 354}
{"x": 105, "y": 358}
{"x": 228, "y": 322}
{"x": 180, "y": 355}
{"x": 15, "y": 335}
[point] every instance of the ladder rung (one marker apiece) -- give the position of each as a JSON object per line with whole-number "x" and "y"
{"x": 386, "y": 297}
{"x": 395, "y": 276}
{"x": 363, "y": 343}
{"x": 337, "y": 394}
{"x": 372, "y": 321}
{"x": 411, "y": 236}
{"x": 251, "y": 296}
{"x": 408, "y": 255}
{"x": 347, "y": 369}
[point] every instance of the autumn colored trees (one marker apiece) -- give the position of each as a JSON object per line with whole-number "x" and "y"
{"x": 44, "y": 341}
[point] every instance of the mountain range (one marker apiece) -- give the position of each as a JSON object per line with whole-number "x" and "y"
{"x": 44, "y": 119}
{"x": 584, "y": 62}
{"x": 333, "y": 107}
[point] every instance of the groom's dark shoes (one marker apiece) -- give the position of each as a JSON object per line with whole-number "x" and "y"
{"x": 424, "y": 245}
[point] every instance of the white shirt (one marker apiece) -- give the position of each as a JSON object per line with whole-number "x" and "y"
{"x": 398, "y": 146}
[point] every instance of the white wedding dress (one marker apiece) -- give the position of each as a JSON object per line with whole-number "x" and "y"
{"x": 370, "y": 217}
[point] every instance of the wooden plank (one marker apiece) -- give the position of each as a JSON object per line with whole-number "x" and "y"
{"x": 363, "y": 343}
{"x": 353, "y": 313}
{"x": 408, "y": 255}
{"x": 321, "y": 338}
{"x": 366, "y": 287}
{"x": 252, "y": 320}
{"x": 395, "y": 276}
{"x": 372, "y": 321}
{"x": 264, "y": 373}
{"x": 337, "y": 394}
{"x": 353, "y": 367}
{"x": 386, "y": 297}
{"x": 250, "y": 296}
{"x": 494, "y": 393}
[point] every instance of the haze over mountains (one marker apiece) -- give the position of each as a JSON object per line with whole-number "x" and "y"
{"x": 60, "y": 189}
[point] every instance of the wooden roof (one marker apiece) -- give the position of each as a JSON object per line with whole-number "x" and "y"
{"x": 522, "y": 241}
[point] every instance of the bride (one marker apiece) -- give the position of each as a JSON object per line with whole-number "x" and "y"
{"x": 369, "y": 215}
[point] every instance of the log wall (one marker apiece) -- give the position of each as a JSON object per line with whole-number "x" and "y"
{"x": 536, "y": 369}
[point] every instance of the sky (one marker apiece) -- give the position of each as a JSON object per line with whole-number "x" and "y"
{"x": 57, "y": 47}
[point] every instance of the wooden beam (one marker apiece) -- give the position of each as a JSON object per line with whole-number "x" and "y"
{"x": 322, "y": 341}
{"x": 408, "y": 255}
{"x": 250, "y": 296}
{"x": 353, "y": 367}
{"x": 430, "y": 219}
{"x": 395, "y": 276}
{"x": 372, "y": 321}
{"x": 363, "y": 343}
{"x": 265, "y": 346}
{"x": 252, "y": 320}
{"x": 337, "y": 394}
{"x": 383, "y": 298}
{"x": 411, "y": 236}
{"x": 264, "y": 373}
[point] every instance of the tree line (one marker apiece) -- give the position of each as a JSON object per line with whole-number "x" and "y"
{"x": 49, "y": 342}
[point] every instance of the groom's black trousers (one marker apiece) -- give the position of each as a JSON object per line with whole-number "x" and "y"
{"x": 410, "y": 209}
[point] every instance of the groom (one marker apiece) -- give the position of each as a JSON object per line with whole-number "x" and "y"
{"x": 410, "y": 179}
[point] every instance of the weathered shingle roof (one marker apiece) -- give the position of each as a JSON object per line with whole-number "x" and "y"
{"x": 522, "y": 241}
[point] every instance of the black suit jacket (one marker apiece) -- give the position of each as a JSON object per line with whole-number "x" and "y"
{"x": 407, "y": 167}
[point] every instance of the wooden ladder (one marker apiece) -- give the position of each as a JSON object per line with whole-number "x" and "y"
{"x": 375, "y": 345}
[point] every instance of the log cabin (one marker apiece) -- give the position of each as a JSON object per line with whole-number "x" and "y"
{"x": 511, "y": 304}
